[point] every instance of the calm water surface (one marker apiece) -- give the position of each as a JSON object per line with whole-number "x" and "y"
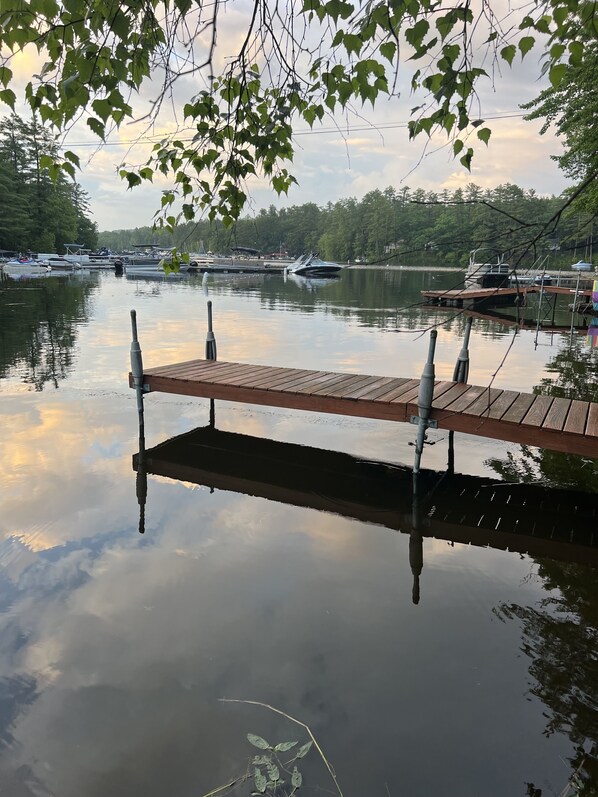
{"x": 116, "y": 647}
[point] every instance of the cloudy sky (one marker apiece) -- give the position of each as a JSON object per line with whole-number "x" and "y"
{"x": 343, "y": 157}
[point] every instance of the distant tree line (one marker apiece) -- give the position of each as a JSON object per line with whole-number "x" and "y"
{"x": 39, "y": 214}
{"x": 411, "y": 227}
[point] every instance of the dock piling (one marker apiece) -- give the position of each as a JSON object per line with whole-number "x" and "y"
{"x": 424, "y": 401}
{"x": 210, "y": 339}
{"x": 461, "y": 372}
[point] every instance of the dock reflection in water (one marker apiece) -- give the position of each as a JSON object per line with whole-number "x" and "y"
{"x": 523, "y": 518}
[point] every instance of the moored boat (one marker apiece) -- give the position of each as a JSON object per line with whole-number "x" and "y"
{"x": 486, "y": 274}
{"x": 313, "y": 266}
{"x": 25, "y": 267}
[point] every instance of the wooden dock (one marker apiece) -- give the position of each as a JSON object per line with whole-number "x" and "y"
{"x": 473, "y": 297}
{"x": 560, "y": 424}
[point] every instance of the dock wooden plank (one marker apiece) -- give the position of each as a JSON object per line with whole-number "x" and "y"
{"x": 367, "y": 390}
{"x": 382, "y": 391}
{"x": 592, "y": 423}
{"x": 301, "y": 379}
{"x": 409, "y": 397}
{"x": 483, "y": 404}
{"x": 342, "y": 390}
{"x": 408, "y": 385}
{"x": 519, "y": 408}
{"x": 448, "y": 396}
{"x": 466, "y": 399}
{"x": 503, "y": 403}
{"x": 557, "y": 414}
{"x": 274, "y": 380}
{"x": 559, "y": 424}
{"x": 269, "y": 378}
{"x": 538, "y": 411}
{"x": 242, "y": 377}
{"x": 577, "y": 417}
{"x": 325, "y": 382}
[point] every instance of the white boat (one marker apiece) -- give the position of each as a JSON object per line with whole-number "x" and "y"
{"x": 311, "y": 265}
{"x": 582, "y": 265}
{"x": 25, "y": 267}
{"x": 77, "y": 256}
{"x": 485, "y": 274}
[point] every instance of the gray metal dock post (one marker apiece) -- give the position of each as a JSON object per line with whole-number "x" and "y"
{"x": 460, "y": 374}
{"x": 461, "y": 371}
{"x": 424, "y": 402}
{"x": 210, "y": 339}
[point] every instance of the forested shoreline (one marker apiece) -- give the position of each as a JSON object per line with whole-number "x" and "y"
{"x": 408, "y": 226}
{"x": 39, "y": 214}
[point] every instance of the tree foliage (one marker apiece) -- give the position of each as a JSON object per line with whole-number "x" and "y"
{"x": 45, "y": 210}
{"x": 409, "y": 226}
{"x": 293, "y": 64}
{"x": 572, "y": 108}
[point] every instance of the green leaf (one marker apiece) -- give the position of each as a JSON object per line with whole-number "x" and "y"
{"x": 5, "y": 75}
{"x": 508, "y": 53}
{"x": 525, "y": 44}
{"x": 97, "y": 127}
{"x": 304, "y": 750}
{"x": 388, "y": 50}
{"x": 8, "y": 97}
{"x": 296, "y": 778}
{"x": 273, "y": 772}
{"x": 131, "y": 178}
{"x": 466, "y": 159}
{"x": 484, "y": 135}
{"x": 260, "y": 780}
{"x": 282, "y": 747}
{"x": 352, "y": 43}
{"x": 257, "y": 741}
{"x": 575, "y": 52}
{"x": 556, "y": 74}
{"x": 457, "y": 146}
{"x": 556, "y": 51}
{"x": 72, "y": 157}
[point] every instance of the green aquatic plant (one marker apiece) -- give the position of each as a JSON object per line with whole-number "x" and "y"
{"x": 271, "y": 773}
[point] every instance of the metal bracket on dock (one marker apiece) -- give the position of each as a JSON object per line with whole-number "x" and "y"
{"x": 429, "y": 423}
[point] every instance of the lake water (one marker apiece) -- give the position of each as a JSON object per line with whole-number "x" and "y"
{"x": 116, "y": 648}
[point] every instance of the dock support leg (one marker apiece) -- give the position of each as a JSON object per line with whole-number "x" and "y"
{"x": 424, "y": 401}
{"x": 574, "y": 310}
{"x": 460, "y": 374}
{"x": 210, "y": 339}
{"x": 137, "y": 371}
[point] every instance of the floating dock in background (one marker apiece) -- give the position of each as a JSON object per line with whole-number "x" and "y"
{"x": 479, "y": 297}
{"x": 559, "y": 424}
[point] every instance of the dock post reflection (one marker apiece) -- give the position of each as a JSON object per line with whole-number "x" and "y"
{"x": 416, "y": 540}
{"x": 141, "y": 483}
{"x": 137, "y": 371}
{"x": 211, "y": 355}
